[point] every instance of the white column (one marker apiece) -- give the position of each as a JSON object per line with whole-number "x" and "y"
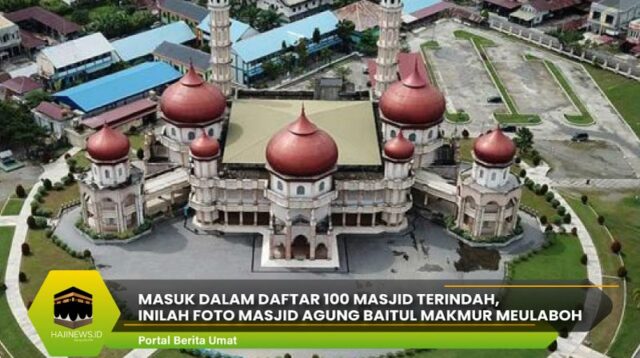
{"x": 220, "y": 44}
{"x": 388, "y": 45}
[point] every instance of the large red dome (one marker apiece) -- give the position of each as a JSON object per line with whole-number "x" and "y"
{"x": 413, "y": 102}
{"x": 108, "y": 145}
{"x": 494, "y": 148}
{"x": 192, "y": 101}
{"x": 301, "y": 149}
{"x": 204, "y": 147}
{"x": 399, "y": 148}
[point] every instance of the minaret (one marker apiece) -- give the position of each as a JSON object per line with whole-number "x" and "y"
{"x": 388, "y": 45}
{"x": 220, "y": 44}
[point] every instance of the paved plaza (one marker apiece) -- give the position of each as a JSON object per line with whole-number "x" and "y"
{"x": 173, "y": 252}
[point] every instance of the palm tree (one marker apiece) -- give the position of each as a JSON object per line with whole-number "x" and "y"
{"x": 345, "y": 30}
{"x": 269, "y": 19}
{"x": 524, "y": 139}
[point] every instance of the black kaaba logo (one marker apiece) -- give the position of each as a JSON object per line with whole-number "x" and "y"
{"x": 73, "y": 308}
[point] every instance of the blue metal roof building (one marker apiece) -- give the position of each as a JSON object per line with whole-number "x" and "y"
{"x": 250, "y": 53}
{"x": 239, "y": 30}
{"x": 142, "y": 44}
{"x": 411, "y": 6}
{"x": 118, "y": 88}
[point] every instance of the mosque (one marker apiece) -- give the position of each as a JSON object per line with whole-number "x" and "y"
{"x": 300, "y": 173}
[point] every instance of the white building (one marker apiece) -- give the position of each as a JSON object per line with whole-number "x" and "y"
{"x": 9, "y": 38}
{"x": 294, "y": 10}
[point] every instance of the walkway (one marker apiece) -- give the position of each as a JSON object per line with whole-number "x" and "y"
{"x": 572, "y": 345}
{"x": 53, "y": 171}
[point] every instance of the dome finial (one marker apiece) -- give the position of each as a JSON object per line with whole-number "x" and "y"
{"x": 415, "y": 79}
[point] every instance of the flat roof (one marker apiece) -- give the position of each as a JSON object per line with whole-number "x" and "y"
{"x": 118, "y": 86}
{"x": 269, "y": 42}
{"x": 44, "y": 17}
{"x": 143, "y": 43}
{"x": 77, "y": 50}
{"x": 350, "y": 123}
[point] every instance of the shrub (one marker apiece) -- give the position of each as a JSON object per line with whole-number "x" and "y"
{"x": 31, "y": 222}
{"x": 555, "y": 203}
{"x": 41, "y": 222}
{"x": 557, "y": 220}
{"x": 34, "y": 207}
{"x": 622, "y": 272}
{"x": 140, "y": 153}
{"x": 549, "y": 196}
{"x": 3, "y": 287}
{"x": 583, "y": 259}
{"x": 543, "y": 189}
{"x": 523, "y": 173}
{"x": 46, "y": 183}
{"x": 58, "y": 186}
{"x": 553, "y": 346}
{"x": 536, "y": 189}
{"x": 44, "y": 212}
{"x": 465, "y": 134}
{"x": 536, "y": 160}
{"x": 22, "y": 277}
{"x": 20, "y": 192}
{"x": 567, "y": 218}
{"x": 26, "y": 249}
{"x": 584, "y": 199}
{"x": 86, "y": 254}
{"x": 517, "y": 160}
{"x": 38, "y": 198}
{"x": 616, "y": 246}
{"x": 561, "y": 210}
{"x": 287, "y": 355}
{"x": 600, "y": 219}
{"x": 574, "y": 231}
{"x": 48, "y": 233}
{"x": 543, "y": 220}
{"x": 42, "y": 191}
{"x": 548, "y": 228}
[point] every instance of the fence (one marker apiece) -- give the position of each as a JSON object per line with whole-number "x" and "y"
{"x": 628, "y": 68}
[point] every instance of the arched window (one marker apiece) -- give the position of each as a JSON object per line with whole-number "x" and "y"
{"x": 321, "y": 186}
{"x": 279, "y": 185}
{"x": 106, "y": 174}
{"x": 412, "y": 137}
{"x": 300, "y": 190}
{"x": 119, "y": 172}
{"x": 504, "y": 175}
{"x": 430, "y": 135}
{"x": 393, "y": 133}
{"x": 481, "y": 173}
{"x": 191, "y": 136}
{"x": 173, "y": 132}
{"x": 493, "y": 176}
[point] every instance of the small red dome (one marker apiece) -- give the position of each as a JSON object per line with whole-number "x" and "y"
{"x": 413, "y": 102}
{"x": 301, "y": 149}
{"x": 494, "y": 148}
{"x": 399, "y": 148}
{"x": 192, "y": 101}
{"x": 108, "y": 145}
{"x": 204, "y": 146}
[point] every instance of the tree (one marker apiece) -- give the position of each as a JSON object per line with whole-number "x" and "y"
{"x": 345, "y": 30}
{"x": 325, "y": 55}
{"x": 368, "y": 43}
{"x": 271, "y": 69}
{"x": 622, "y": 272}
{"x": 81, "y": 16}
{"x": 288, "y": 61}
{"x": 584, "y": 199}
{"x": 20, "y": 192}
{"x": 600, "y": 219}
{"x": 140, "y": 153}
{"x": 524, "y": 139}
{"x": 616, "y": 246}
{"x": 13, "y": 5}
{"x": 34, "y": 98}
{"x": 26, "y": 249}
{"x": 302, "y": 52}
{"x": 344, "y": 72}
{"x": 22, "y": 277}
{"x": 268, "y": 19}
{"x": 18, "y": 127}
{"x": 316, "y": 36}
{"x": 46, "y": 183}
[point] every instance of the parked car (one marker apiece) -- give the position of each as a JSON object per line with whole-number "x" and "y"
{"x": 494, "y": 99}
{"x": 580, "y": 137}
{"x": 509, "y": 129}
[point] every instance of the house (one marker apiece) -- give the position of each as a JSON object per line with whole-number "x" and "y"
{"x": 180, "y": 10}
{"x": 536, "y": 11}
{"x": 9, "y": 38}
{"x": 612, "y": 17}
{"x": 118, "y": 88}
{"x": 633, "y": 33}
{"x": 72, "y": 59}
{"x": 141, "y": 45}
{"x": 501, "y": 7}
{"x": 294, "y": 10}
{"x": 239, "y": 30}
{"x": 125, "y": 117}
{"x": 364, "y": 14}
{"x": 180, "y": 57}
{"x": 53, "y": 117}
{"x": 248, "y": 55}
{"x": 35, "y": 19}
{"x": 17, "y": 87}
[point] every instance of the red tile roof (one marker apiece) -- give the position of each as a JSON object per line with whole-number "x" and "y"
{"x": 52, "y": 110}
{"x": 406, "y": 61}
{"x": 121, "y": 114}
{"x": 431, "y": 10}
{"x": 29, "y": 41}
{"x": 21, "y": 85}
{"x": 364, "y": 14}
{"x": 45, "y": 17}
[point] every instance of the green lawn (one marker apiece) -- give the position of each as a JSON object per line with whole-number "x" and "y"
{"x": 12, "y": 206}
{"x": 466, "y": 35}
{"x": 46, "y": 256}
{"x": 55, "y": 199}
{"x": 560, "y": 261}
{"x": 538, "y": 203}
{"x": 136, "y": 140}
{"x": 431, "y": 45}
{"x": 584, "y": 118}
{"x": 458, "y": 117}
{"x": 82, "y": 162}
{"x": 10, "y": 333}
{"x": 622, "y": 92}
{"x": 517, "y": 118}
{"x": 621, "y": 210}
